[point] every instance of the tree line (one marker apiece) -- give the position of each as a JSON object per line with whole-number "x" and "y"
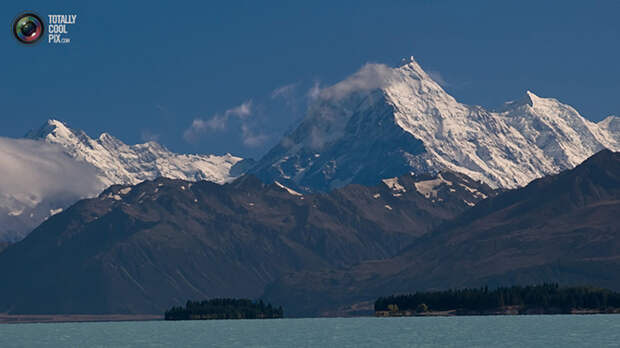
{"x": 545, "y": 296}
{"x": 224, "y": 308}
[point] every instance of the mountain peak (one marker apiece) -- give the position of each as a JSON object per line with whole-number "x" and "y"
{"x": 110, "y": 142}
{"x": 67, "y": 165}
{"x": 406, "y": 61}
{"x": 56, "y": 123}
{"x": 107, "y": 137}
{"x": 533, "y": 100}
{"x": 51, "y": 127}
{"x": 411, "y": 65}
{"x": 414, "y": 125}
{"x": 529, "y": 98}
{"x": 611, "y": 121}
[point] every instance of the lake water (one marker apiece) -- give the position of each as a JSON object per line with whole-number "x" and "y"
{"x": 505, "y": 331}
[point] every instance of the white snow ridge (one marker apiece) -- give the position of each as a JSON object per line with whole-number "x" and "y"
{"x": 290, "y": 191}
{"x": 57, "y": 166}
{"x": 119, "y": 163}
{"x": 383, "y": 122}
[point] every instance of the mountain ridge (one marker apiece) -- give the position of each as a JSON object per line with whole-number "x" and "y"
{"x": 119, "y": 169}
{"x": 63, "y": 153}
{"x": 402, "y": 119}
{"x": 144, "y": 248}
{"x": 561, "y": 228}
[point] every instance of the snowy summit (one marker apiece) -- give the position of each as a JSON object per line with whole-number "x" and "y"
{"x": 55, "y": 166}
{"x": 382, "y": 122}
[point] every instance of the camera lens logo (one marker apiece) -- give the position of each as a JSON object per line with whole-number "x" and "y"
{"x": 28, "y": 28}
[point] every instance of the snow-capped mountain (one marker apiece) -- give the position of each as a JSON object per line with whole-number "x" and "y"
{"x": 382, "y": 122}
{"x": 55, "y": 166}
{"x": 119, "y": 163}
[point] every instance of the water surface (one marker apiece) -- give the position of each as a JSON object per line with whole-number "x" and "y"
{"x": 482, "y": 331}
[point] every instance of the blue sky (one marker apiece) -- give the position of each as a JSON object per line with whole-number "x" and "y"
{"x": 147, "y": 71}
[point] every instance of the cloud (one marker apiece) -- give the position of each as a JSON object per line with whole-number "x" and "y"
{"x": 284, "y": 92}
{"x": 146, "y": 135}
{"x": 250, "y": 138}
{"x": 218, "y": 122}
{"x": 315, "y": 91}
{"x": 370, "y": 76}
{"x": 240, "y": 111}
{"x": 38, "y": 169}
{"x": 436, "y": 76}
{"x": 35, "y": 179}
{"x": 330, "y": 118}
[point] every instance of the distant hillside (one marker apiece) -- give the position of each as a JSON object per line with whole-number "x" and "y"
{"x": 56, "y": 166}
{"x": 144, "y": 248}
{"x": 562, "y": 228}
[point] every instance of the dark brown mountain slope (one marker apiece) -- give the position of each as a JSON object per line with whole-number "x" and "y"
{"x": 563, "y": 228}
{"x": 144, "y": 248}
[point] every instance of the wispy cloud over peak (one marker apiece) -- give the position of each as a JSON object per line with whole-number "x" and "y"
{"x": 284, "y": 91}
{"x": 147, "y": 135}
{"x": 217, "y": 122}
{"x": 242, "y": 111}
{"x": 252, "y": 139}
{"x": 315, "y": 91}
{"x": 370, "y": 76}
{"x": 437, "y": 77}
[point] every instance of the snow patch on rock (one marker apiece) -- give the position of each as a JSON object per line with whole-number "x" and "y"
{"x": 428, "y": 188}
{"x": 394, "y": 185}
{"x": 55, "y": 211}
{"x": 290, "y": 191}
{"x": 16, "y": 212}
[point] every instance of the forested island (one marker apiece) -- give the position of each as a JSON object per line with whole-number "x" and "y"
{"x": 224, "y": 308}
{"x": 539, "y": 299}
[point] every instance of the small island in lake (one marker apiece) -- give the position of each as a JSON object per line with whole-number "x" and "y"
{"x": 224, "y": 308}
{"x": 539, "y": 299}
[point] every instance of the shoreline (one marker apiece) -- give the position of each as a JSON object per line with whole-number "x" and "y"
{"x": 95, "y": 318}
{"x": 74, "y": 318}
{"x": 507, "y": 312}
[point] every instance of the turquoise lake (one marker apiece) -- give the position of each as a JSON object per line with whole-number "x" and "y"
{"x": 483, "y": 331}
